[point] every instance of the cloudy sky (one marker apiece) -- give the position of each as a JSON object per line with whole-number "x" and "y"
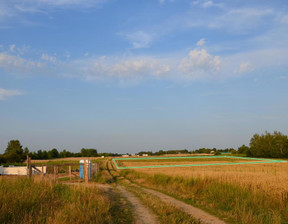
{"x": 125, "y": 76}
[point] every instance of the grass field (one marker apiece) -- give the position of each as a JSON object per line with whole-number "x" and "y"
{"x": 157, "y": 162}
{"x": 246, "y": 193}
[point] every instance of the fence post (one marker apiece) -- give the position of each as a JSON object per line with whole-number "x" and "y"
{"x": 28, "y": 173}
{"x": 42, "y": 172}
{"x": 70, "y": 173}
{"x": 29, "y": 167}
{"x": 55, "y": 172}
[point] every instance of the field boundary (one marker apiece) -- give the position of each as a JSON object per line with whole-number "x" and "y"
{"x": 259, "y": 160}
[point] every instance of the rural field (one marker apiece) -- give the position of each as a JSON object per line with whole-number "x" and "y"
{"x": 241, "y": 193}
{"x": 215, "y": 193}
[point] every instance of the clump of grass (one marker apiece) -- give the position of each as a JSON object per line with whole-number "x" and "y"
{"x": 26, "y": 200}
{"x": 223, "y": 199}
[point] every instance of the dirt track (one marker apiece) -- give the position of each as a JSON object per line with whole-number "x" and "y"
{"x": 143, "y": 215}
{"x": 197, "y": 213}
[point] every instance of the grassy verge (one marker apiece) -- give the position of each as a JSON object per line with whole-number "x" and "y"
{"x": 236, "y": 203}
{"x": 104, "y": 176}
{"x": 26, "y": 200}
{"x": 121, "y": 209}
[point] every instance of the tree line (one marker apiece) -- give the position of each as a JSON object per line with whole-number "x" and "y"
{"x": 15, "y": 153}
{"x": 267, "y": 145}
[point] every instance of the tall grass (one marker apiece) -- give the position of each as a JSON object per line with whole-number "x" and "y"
{"x": 24, "y": 200}
{"x": 227, "y": 200}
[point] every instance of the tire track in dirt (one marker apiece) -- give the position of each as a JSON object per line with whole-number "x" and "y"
{"x": 141, "y": 212}
{"x": 197, "y": 213}
{"x": 144, "y": 216}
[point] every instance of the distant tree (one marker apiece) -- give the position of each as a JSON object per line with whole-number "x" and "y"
{"x": 2, "y": 159}
{"x": 217, "y": 153}
{"x": 145, "y": 152}
{"x": 160, "y": 152}
{"x": 44, "y": 154}
{"x": 14, "y": 152}
{"x": 243, "y": 149}
{"x": 52, "y": 154}
{"x": 39, "y": 154}
{"x": 269, "y": 145}
{"x": 88, "y": 152}
{"x": 25, "y": 153}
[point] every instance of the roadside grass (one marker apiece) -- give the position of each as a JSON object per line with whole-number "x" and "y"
{"x": 25, "y": 200}
{"x": 121, "y": 209}
{"x": 226, "y": 200}
{"x": 166, "y": 213}
{"x": 104, "y": 176}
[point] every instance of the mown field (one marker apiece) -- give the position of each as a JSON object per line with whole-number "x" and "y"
{"x": 178, "y": 161}
{"x": 246, "y": 193}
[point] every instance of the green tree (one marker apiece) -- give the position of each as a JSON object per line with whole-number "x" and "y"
{"x": 243, "y": 149}
{"x": 14, "y": 152}
{"x": 52, "y": 154}
{"x": 88, "y": 152}
{"x": 2, "y": 159}
{"x": 269, "y": 145}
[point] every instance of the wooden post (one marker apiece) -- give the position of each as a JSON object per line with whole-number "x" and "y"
{"x": 42, "y": 172}
{"x": 70, "y": 173}
{"x": 30, "y": 167}
{"x": 55, "y": 172}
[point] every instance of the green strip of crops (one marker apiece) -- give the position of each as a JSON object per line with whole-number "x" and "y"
{"x": 259, "y": 160}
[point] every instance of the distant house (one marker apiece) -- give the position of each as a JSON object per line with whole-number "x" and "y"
{"x": 144, "y": 154}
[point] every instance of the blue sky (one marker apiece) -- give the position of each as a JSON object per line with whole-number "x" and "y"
{"x": 126, "y": 76}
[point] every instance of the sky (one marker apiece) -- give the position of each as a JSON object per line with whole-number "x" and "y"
{"x": 127, "y": 76}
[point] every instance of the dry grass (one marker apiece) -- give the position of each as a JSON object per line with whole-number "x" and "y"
{"x": 246, "y": 193}
{"x": 25, "y": 200}
{"x": 269, "y": 178}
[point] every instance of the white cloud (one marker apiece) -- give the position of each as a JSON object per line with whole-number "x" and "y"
{"x": 130, "y": 68}
{"x": 201, "y": 42}
{"x": 4, "y": 93}
{"x": 200, "y": 61}
{"x": 243, "y": 20}
{"x": 12, "y": 47}
{"x": 14, "y": 63}
{"x": 16, "y": 9}
{"x": 49, "y": 58}
{"x": 207, "y": 4}
{"x": 139, "y": 39}
{"x": 244, "y": 67}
